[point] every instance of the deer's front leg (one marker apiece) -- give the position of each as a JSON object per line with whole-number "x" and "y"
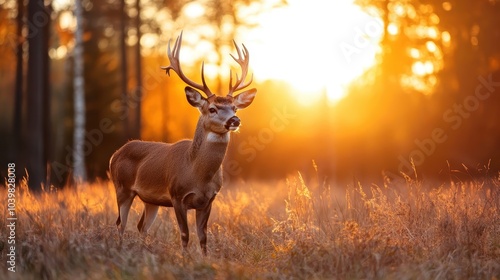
{"x": 181, "y": 215}
{"x": 201, "y": 226}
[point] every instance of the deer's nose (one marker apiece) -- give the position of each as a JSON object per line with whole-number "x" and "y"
{"x": 233, "y": 123}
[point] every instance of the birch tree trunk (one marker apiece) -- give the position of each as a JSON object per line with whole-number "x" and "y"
{"x": 79, "y": 171}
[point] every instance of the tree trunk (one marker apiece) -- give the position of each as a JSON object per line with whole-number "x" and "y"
{"x": 18, "y": 99}
{"x": 124, "y": 70}
{"x": 46, "y": 100}
{"x": 138, "y": 72}
{"x": 79, "y": 172}
{"x": 37, "y": 93}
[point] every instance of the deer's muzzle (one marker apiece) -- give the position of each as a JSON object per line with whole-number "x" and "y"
{"x": 233, "y": 123}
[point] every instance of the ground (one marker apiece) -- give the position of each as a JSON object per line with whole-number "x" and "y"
{"x": 286, "y": 229}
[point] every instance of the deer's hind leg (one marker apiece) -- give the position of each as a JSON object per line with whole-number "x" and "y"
{"x": 148, "y": 217}
{"x": 124, "y": 200}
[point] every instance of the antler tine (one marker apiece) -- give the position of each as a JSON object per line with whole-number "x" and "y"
{"x": 173, "y": 56}
{"x": 230, "y": 82}
{"x": 169, "y": 52}
{"x": 237, "y": 49}
{"x": 243, "y": 60}
{"x": 203, "y": 78}
{"x": 174, "y": 60}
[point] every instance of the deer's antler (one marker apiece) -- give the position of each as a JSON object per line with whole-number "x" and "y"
{"x": 173, "y": 56}
{"x": 243, "y": 60}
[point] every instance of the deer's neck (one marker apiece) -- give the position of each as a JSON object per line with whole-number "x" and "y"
{"x": 207, "y": 151}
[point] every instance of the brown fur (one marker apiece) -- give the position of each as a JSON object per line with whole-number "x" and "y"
{"x": 187, "y": 174}
{"x": 184, "y": 175}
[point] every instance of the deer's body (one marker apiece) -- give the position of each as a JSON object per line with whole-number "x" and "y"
{"x": 159, "y": 166}
{"x": 186, "y": 174}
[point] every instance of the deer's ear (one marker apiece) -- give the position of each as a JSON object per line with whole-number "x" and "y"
{"x": 194, "y": 97}
{"x": 245, "y": 98}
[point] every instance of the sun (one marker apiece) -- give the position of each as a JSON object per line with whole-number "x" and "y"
{"x": 317, "y": 46}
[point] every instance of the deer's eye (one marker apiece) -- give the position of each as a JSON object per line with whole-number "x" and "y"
{"x": 212, "y": 110}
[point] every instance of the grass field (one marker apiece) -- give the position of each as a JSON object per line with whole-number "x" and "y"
{"x": 287, "y": 229}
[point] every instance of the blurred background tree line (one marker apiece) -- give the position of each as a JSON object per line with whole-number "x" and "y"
{"x": 92, "y": 81}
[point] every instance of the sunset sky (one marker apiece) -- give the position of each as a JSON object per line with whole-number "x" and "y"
{"x": 312, "y": 45}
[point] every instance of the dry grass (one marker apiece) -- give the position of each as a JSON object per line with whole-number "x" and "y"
{"x": 286, "y": 229}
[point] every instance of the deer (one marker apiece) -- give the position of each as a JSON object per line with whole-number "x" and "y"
{"x": 186, "y": 174}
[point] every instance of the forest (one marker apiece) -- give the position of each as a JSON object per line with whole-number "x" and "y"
{"x": 429, "y": 95}
{"x": 371, "y": 149}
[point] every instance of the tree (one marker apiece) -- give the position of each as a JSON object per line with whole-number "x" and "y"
{"x": 18, "y": 99}
{"x": 411, "y": 45}
{"x": 79, "y": 171}
{"x": 102, "y": 59}
{"x": 132, "y": 120}
{"x": 124, "y": 66}
{"x": 435, "y": 53}
{"x": 38, "y": 93}
{"x": 138, "y": 72}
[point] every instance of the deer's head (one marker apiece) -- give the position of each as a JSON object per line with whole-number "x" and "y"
{"x": 217, "y": 112}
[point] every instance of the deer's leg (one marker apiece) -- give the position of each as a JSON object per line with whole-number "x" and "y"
{"x": 181, "y": 215}
{"x": 201, "y": 226}
{"x": 124, "y": 202}
{"x": 148, "y": 217}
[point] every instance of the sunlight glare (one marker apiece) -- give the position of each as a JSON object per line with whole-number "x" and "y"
{"x": 446, "y": 38}
{"x": 149, "y": 40}
{"x": 194, "y": 10}
{"x": 393, "y": 29}
{"x": 418, "y": 68}
{"x": 447, "y": 6}
{"x": 59, "y": 5}
{"x": 315, "y": 46}
{"x": 414, "y": 53}
{"x": 431, "y": 46}
{"x": 67, "y": 21}
{"x": 422, "y": 68}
